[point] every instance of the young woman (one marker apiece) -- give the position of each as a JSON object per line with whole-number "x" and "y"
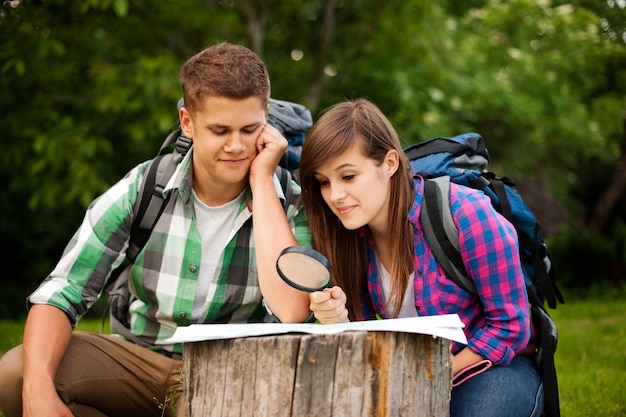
{"x": 363, "y": 204}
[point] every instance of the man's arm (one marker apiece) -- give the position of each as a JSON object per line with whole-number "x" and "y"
{"x": 47, "y": 335}
{"x": 272, "y": 232}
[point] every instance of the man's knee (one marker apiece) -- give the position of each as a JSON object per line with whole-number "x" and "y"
{"x": 11, "y": 376}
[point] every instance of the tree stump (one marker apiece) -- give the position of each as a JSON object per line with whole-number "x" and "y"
{"x": 346, "y": 374}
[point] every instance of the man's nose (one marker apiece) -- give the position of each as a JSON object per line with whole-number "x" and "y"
{"x": 235, "y": 142}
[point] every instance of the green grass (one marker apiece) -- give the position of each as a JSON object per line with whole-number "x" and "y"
{"x": 590, "y": 359}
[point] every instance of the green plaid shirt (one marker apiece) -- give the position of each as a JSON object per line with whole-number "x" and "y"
{"x": 164, "y": 276}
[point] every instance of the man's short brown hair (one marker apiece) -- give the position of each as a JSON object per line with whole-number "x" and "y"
{"x": 224, "y": 70}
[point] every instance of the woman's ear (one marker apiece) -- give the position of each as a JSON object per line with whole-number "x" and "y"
{"x": 392, "y": 162}
{"x": 185, "y": 122}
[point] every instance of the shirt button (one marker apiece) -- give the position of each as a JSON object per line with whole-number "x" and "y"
{"x": 183, "y": 315}
{"x": 193, "y": 268}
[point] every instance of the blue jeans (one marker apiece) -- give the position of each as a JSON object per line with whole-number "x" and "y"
{"x": 502, "y": 391}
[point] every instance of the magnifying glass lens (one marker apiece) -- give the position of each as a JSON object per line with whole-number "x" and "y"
{"x": 303, "y": 268}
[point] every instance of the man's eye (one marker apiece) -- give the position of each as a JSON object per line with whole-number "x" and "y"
{"x": 219, "y": 132}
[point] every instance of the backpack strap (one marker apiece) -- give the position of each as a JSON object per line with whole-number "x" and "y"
{"x": 285, "y": 177}
{"x": 497, "y": 185}
{"x": 151, "y": 202}
{"x": 146, "y": 211}
{"x": 441, "y": 232}
{"x": 544, "y": 360}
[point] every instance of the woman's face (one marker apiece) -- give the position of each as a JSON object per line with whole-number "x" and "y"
{"x": 356, "y": 189}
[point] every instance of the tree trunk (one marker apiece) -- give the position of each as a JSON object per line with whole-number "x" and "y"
{"x": 608, "y": 200}
{"x": 347, "y": 374}
{"x": 254, "y": 15}
{"x": 321, "y": 58}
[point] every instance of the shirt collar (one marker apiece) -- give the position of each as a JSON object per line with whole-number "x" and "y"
{"x": 414, "y": 213}
{"x": 182, "y": 181}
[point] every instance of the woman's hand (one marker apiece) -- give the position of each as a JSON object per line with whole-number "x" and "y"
{"x": 329, "y": 306}
{"x": 465, "y": 358}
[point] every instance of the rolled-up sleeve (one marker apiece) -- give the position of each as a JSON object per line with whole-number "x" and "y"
{"x": 95, "y": 250}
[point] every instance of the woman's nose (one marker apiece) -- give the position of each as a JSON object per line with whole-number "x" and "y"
{"x": 337, "y": 192}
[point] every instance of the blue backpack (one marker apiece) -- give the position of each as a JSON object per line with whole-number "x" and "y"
{"x": 463, "y": 160}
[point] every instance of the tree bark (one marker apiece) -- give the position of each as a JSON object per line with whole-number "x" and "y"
{"x": 351, "y": 374}
{"x": 254, "y": 14}
{"x": 605, "y": 206}
{"x": 321, "y": 58}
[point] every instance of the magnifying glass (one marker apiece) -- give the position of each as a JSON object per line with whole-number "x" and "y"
{"x": 303, "y": 268}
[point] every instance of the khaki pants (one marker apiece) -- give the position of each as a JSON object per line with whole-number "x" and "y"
{"x": 102, "y": 375}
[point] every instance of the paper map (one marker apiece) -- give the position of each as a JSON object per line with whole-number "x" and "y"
{"x": 447, "y": 326}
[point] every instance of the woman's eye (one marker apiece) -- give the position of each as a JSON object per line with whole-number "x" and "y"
{"x": 348, "y": 177}
{"x": 324, "y": 183}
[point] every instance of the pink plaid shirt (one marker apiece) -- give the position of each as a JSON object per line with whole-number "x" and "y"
{"x": 497, "y": 321}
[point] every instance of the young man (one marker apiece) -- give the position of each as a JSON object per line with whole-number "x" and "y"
{"x": 202, "y": 264}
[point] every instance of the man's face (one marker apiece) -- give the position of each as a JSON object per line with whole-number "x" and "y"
{"x": 224, "y": 133}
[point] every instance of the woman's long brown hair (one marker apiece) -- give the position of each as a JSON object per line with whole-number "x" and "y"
{"x": 337, "y": 130}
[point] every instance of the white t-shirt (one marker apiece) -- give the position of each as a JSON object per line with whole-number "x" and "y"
{"x": 408, "y": 301}
{"x": 215, "y": 225}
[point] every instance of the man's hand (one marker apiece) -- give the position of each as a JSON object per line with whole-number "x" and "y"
{"x": 45, "y": 402}
{"x": 271, "y": 147}
{"x": 329, "y": 306}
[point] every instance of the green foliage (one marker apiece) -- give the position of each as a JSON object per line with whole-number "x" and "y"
{"x": 539, "y": 71}
{"x": 120, "y": 7}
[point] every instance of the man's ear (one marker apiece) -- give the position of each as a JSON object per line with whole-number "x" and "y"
{"x": 185, "y": 122}
{"x": 392, "y": 162}
{"x": 267, "y": 111}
